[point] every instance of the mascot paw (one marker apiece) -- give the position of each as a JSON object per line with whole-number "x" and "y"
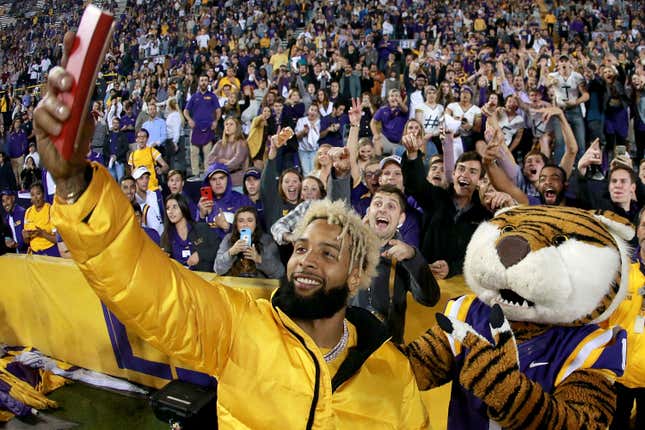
{"x": 490, "y": 370}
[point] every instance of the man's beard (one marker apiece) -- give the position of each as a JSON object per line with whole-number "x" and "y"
{"x": 321, "y": 304}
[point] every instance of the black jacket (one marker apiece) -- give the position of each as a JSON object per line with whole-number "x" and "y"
{"x": 206, "y": 244}
{"x": 594, "y": 194}
{"x": 7, "y": 178}
{"x": 122, "y": 147}
{"x": 411, "y": 275}
{"x": 445, "y": 235}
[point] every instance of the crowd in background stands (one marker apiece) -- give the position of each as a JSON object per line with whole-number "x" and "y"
{"x": 199, "y": 87}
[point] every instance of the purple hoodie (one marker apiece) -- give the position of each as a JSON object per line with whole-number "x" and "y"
{"x": 229, "y": 202}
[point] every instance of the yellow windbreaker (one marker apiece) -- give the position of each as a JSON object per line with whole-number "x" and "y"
{"x": 271, "y": 374}
{"x": 626, "y": 316}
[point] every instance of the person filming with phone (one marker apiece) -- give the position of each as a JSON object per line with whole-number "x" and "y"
{"x": 621, "y": 192}
{"x": 247, "y": 251}
{"x": 219, "y": 201}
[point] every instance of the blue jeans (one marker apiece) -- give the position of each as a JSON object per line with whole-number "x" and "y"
{"x": 306, "y": 161}
{"x": 577, "y": 123}
{"x": 117, "y": 171}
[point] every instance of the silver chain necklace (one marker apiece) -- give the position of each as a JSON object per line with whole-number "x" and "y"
{"x": 340, "y": 346}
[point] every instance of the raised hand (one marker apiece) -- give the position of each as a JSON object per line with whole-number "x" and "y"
{"x": 499, "y": 200}
{"x": 355, "y": 113}
{"x": 593, "y": 155}
{"x": 549, "y": 111}
{"x": 283, "y": 136}
{"x": 205, "y": 207}
{"x": 411, "y": 145}
{"x": 49, "y": 116}
{"x": 340, "y": 160}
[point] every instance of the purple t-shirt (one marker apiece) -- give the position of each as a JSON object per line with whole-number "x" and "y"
{"x": 361, "y": 199}
{"x": 127, "y": 121}
{"x": 392, "y": 122}
{"x": 333, "y": 138}
{"x": 181, "y": 249}
{"x": 202, "y": 107}
{"x": 17, "y": 144}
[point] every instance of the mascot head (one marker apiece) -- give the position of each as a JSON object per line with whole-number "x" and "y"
{"x": 551, "y": 264}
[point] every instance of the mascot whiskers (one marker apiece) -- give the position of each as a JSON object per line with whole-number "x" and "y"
{"x": 527, "y": 352}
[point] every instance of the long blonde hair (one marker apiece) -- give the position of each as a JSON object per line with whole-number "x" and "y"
{"x": 237, "y": 136}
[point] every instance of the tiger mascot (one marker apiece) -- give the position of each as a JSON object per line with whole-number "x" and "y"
{"x": 555, "y": 273}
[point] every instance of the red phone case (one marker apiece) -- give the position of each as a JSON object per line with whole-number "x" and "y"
{"x": 207, "y": 193}
{"x": 92, "y": 40}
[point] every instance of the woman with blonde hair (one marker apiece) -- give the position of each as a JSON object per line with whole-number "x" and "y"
{"x": 232, "y": 151}
{"x": 365, "y": 153}
{"x": 322, "y": 163}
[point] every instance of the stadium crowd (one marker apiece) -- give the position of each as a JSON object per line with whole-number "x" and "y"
{"x": 223, "y": 121}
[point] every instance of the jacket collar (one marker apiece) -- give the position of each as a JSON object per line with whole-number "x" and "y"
{"x": 370, "y": 333}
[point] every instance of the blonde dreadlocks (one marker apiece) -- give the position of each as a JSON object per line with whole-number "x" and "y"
{"x": 363, "y": 245}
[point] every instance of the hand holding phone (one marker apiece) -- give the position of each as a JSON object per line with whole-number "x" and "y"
{"x": 246, "y": 235}
{"x": 621, "y": 150}
{"x": 85, "y": 58}
{"x": 206, "y": 192}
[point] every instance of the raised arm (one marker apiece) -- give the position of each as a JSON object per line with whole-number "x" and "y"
{"x": 448, "y": 146}
{"x": 282, "y": 230}
{"x": 414, "y": 177}
{"x": 571, "y": 146}
{"x": 269, "y": 180}
{"x": 498, "y": 177}
{"x": 376, "y": 127}
{"x": 96, "y": 222}
{"x": 352, "y": 140}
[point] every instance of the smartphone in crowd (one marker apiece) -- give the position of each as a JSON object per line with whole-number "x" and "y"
{"x": 620, "y": 151}
{"x": 245, "y": 234}
{"x": 206, "y": 192}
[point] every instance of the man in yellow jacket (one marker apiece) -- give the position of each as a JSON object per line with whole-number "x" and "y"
{"x": 301, "y": 360}
{"x": 631, "y": 316}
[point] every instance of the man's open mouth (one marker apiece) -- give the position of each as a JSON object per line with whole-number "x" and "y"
{"x": 550, "y": 194}
{"x": 382, "y": 222}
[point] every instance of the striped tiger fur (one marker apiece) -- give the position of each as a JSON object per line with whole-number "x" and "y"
{"x": 563, "y": 380}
